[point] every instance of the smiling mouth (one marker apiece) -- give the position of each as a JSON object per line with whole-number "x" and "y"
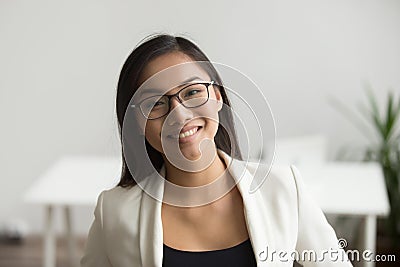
{"x": 186, "y": 134}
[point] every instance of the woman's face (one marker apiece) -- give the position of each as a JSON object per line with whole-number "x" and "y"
{"x": 202, "y": 122}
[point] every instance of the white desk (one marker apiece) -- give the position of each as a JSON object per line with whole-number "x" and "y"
{"x": 71, "y": 181}
{"x": 350, "y": 188}
{"x": 339, "y": 188}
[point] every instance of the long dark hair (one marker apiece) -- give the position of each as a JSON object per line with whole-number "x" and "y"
{"x": 150, "y": 48}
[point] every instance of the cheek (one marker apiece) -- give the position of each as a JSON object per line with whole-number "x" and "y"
{"x": 210, "y": 115}
{"x": 212, "y": 127}
{"x": 152, "y": 133}
{"x": 209, "y": 112}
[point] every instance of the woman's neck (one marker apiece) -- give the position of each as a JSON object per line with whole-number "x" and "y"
{"x": 194, "y": 179}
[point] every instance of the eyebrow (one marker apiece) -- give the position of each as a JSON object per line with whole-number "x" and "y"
{"x": 153, "y": 90}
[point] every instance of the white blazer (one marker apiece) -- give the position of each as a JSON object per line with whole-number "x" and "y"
{"x": 282, "y": 219}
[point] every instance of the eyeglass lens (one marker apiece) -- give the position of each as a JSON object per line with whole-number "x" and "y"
{"x": 191, "y": 96}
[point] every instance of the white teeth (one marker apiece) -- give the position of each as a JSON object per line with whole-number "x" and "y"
{"x": 187, "y": 133}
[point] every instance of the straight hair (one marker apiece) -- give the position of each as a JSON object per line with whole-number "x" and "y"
{"x": 149, "y": 49}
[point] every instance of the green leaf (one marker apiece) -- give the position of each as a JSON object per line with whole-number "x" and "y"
{"x": 378, "y": 124}
{"x": 391, "y": 116}
{"x": 349, "y": 115}
{"x": 395, "y": 118}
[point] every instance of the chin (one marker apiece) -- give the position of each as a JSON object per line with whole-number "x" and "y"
{"x": 191, "y": 151}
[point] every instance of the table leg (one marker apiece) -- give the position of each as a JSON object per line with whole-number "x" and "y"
{"x": 49, "y": 239}
{"x": 70, "y": 236}
{"x": 370, "y": 228}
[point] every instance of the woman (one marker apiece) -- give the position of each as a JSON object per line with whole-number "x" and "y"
{"x": 184, "y": 132}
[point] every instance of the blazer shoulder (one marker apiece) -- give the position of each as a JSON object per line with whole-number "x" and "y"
{"x": 277, "y": 177}
{"x": 117, "y": 198}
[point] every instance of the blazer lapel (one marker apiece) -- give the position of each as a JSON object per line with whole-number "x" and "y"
{"x": 151, "y": 231}
{"x": 259, "y": 229}
{"x": 150, "y": 223}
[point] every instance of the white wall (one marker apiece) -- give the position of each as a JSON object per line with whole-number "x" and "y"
{"x": 60, "y": 60}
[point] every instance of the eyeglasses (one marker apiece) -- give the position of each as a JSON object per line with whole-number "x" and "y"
{"x": 191, "y": 96}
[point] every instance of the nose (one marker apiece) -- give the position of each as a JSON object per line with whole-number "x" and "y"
{"x": 174, "y": 102}
{"x": 178, "y": 113}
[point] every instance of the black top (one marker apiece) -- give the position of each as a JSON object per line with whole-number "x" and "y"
{"x": 240, "y": 255}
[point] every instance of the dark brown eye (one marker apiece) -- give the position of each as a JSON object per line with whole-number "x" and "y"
{"x": 193, "y": 92}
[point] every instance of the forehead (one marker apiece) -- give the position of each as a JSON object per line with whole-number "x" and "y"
{"x": 163, "y": 62}
{"x": 170, "y": 71}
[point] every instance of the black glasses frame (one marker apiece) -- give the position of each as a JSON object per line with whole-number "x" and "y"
{"x": 138, "y": 105}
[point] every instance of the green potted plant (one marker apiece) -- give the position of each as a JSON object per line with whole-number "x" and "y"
{"x": 384, "y": 149}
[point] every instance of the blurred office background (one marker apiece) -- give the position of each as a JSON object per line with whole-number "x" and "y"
{"x": 60, "y": 62}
